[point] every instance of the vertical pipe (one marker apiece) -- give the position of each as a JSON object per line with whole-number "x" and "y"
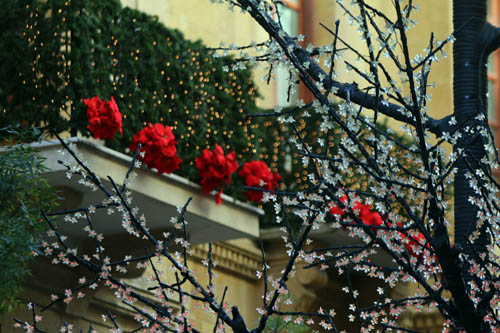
{"x": 469, "y": 88}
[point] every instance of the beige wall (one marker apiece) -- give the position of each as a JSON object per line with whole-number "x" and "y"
{"x": 436, "y": 18}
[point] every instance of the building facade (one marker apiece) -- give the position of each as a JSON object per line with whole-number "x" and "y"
{"x": 239, "y": 258}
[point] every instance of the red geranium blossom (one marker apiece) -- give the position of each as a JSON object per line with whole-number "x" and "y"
{"x": 215, "y": 169}
{"x": 104, "y": 118}
{"x": 373, "y": 218}
{"x": 255, "y": 173}
{"x": 412, "y": 246}
{"x": 365, "y": 213}
{"x": 413, "y": 242}
{"x": 158, "y": 145}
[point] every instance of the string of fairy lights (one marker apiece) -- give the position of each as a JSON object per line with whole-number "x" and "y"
{"x": 162, "y": 99}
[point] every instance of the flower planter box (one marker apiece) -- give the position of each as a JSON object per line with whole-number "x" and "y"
{"x": 157, "y": 196}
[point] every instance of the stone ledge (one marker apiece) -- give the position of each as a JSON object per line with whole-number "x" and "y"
{"x": 158, "y": 196}
{"x": 232, "y": 258}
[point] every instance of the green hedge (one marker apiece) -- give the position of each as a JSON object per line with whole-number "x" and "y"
{"x": 23, "y": 194}
{"x": 63, "y": 51}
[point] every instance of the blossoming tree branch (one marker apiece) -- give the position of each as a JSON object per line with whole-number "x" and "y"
{"x": 400, "y": 212}
{"x": 467, "y": 268}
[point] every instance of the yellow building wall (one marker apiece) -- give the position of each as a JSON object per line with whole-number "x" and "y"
{"x": 436, "y": 19}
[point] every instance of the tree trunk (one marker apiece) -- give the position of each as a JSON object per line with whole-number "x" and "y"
{"x": 469, "y": 95}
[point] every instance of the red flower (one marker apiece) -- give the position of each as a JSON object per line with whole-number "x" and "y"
{"x": 369, "y": 216}
{"x": 158, "y": 144}
{"x": 412, "y": 246}
{"x": 215, "y": 169}
{"x": 104, "y": 118}
{"x": 256, "y": 172}
{"x": 412, "y": 243}
{"x": 336, "y": 210}
{"x": 365, "y": 213}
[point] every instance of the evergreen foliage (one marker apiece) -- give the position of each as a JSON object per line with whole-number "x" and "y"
{"x": 64, "y": 51}
{"x": 23, "y": 193}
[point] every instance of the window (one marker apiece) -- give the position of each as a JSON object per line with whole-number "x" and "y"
{"x": 494, "y": 79}
{"x": 289, "y": 15}
{"x": 295, "y": 18}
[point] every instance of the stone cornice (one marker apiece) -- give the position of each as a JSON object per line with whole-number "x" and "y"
{"x": 236, "y": 260}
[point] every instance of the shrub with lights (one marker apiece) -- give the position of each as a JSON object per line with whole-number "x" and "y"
{"x": 75, "y": 63}
{"x": 63, "y": 52}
